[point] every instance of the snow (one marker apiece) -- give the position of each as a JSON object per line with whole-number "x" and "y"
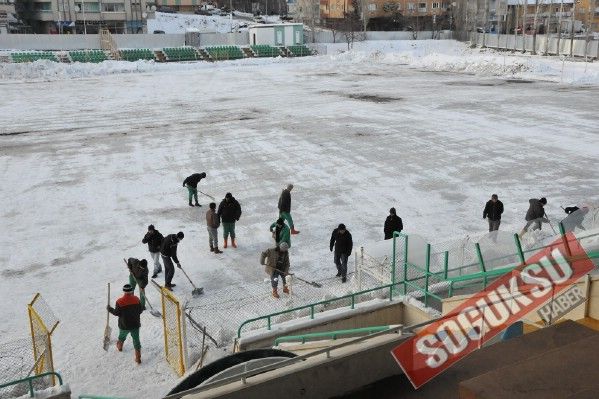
{"x": 92, "y": 154}
{"x": 181, "y": 23}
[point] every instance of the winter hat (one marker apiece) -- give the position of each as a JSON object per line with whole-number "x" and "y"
{"x": 280, "y": 221}
{"x": 228, "y": 195}
{"x": 151, "y": 227}
{"x": 392, "y": 211}
{"x": 341, "y": 227}
{"x": 283, "y": 246}
{"x": 180, "y": 235}
{"x": 203, "y": 174}
{"x": 144, "y": 263}
{"x": 212, "y": 205}
{"x": 127, "y": 288}
{"x": 543, "y": 200}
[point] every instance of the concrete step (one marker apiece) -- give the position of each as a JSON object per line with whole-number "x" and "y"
{"x": 558, "y": 373}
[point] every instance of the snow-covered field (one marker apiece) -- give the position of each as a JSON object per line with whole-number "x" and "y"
{"x": 92, "y": 154}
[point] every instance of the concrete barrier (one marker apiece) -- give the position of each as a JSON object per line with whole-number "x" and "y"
{"x": 544, "y": 44}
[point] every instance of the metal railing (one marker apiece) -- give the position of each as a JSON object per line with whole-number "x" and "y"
{"x": 312, "y": 306}
{"x": 331, "y": 334}
{"x": 29, "y": 381}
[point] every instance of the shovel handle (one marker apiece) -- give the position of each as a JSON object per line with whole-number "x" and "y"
{"x": 108, "y": 304}
{"x": 192, "y": 284}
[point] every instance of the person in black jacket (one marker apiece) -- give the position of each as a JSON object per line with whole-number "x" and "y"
{"x": 191, "y": 182}
{"x": 138, "y": 273}
{"x": 229, "y": 211}
{"x": 535, "y": 216}
{"x": 128, "y": 308}
{"x": 493, "y": 210}
{"x": 154, "y": 239}
{"x": 341, "y": 240}
{"x": 168, "y": 250}
{"x": 285, "y": 207}
{"x": 392, "y": 223}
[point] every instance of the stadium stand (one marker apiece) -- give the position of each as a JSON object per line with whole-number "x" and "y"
{"x": 225, "y": 52}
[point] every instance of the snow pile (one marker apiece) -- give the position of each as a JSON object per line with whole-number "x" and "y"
{"x": 430, "y": 55}
{"x": 180, "y": 23}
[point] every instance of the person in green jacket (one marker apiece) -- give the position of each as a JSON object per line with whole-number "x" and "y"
{"x": 280, "y": 232}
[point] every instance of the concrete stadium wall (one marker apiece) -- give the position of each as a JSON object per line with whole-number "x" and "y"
{"x": 223, "y": 39}
{"x": 82, "y": 42}
{"x": 544, "y": 44}
{"x": 327, "y": 36}
{"x": 383, "y": 314}
{"x": 346, "y": 369}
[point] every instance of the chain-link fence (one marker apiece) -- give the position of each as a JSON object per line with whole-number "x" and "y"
{"x": 42, "y": 322}
{"x": 16, "y": 362}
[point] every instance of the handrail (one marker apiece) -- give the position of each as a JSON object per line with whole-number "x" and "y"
{"x": 330, "y": 334}
{"x": 96, "y": 397}
{"x": 29, "y": 381}
{"x": 311, "y": 306}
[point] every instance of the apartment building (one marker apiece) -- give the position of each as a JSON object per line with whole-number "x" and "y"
{"x": 84, "y": 16}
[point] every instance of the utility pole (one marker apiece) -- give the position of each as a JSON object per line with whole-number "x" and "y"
{"x": 572, "y": 20}
{"x": 559, "y": 26}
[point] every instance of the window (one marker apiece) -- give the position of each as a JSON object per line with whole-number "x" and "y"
{"x": 89, "y": 7}
{"x": 113, "y": 7}
{"x": 435, "y": 5}
{"x": 371, "y": 7}
{"x": 411, "y": 6}
{"x": 42, "y": 6}
{"x": 422, "y": 7}
{"x": 399, "y": 6}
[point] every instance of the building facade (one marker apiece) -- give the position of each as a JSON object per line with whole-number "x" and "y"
{"x": 84, "y": 16}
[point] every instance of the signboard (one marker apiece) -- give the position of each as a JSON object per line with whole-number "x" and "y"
{"x": 487, "y": 313}
{"x": 561, "y": 305}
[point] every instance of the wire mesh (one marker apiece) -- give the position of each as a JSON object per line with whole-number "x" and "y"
{"x": 173, "y": 332}
{"x": 16, "y": 361}
{"x": 42, "y": 322}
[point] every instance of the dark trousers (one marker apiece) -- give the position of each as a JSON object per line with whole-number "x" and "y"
{"x": 169, "y": 270}
{"x": 341, "y": 263}
{"x": 274, "y": 278}
{"x": 494, "y": 225}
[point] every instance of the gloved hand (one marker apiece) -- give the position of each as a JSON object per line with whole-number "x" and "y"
{"x": 108, "y": 308}
{"x": 179, "y": 265}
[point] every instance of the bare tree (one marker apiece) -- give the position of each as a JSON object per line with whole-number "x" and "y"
{"x": 352, "y": 26}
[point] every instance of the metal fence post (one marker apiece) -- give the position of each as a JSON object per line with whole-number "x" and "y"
{"x": 393, "y": 257}
{"x": 428, "y": 267}
{"x": 405, "y": 267}
{"x": 519, "y": 248}
{"x": 562, "y": 231}
{"x": 482, "y": 263}
{"x": 445, "y": 264}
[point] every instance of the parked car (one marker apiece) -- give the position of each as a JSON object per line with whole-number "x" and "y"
{"x": 168, "y": 10}
{"x": 158, "y": 32}
{"x": 286, "y": 18}
{"x": 202, "y": 12}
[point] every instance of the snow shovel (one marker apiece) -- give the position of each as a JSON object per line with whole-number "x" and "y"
{"x": 207, "y": 195}
{"x": 550, "y": 225}
{"x": 107, "y": 329}
{"x": 196, "y": 291}
{"x": 153, "y": 311}
{"x": 312, "y": 283}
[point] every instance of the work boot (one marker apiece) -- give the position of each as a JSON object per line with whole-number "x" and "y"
{"x": 294, "y": 231}
{"x": 154, "y": 275}
{"x": 211, "y": 248}
{"x": 343, "y": 279}
{"x": 233, "y": 244}
{"x": 138, "y": 356}
{"x": 226, "y": 243}
{"x": 119, "y": 346}
{"x": 217, "y": 251}
{"x": 285, "y": 289}
{"x": 197, "y": 204}
{"x": 275, "y": 294}
{"x": 190, "y": 204}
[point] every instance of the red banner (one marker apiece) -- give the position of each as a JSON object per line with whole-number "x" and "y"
{"x": 487, "y": 313}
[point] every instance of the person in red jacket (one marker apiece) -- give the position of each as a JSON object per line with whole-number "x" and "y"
{"x": 128, "y": 308}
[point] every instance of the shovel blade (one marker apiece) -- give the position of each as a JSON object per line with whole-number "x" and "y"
{"x": 155, "y": 313}
{"x": 107, "y": 333}
{"x": 197, "y": 292}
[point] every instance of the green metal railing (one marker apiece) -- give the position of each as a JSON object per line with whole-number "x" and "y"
{"x": 331, "y": 334}
{"x": 96, "y": 397}
{"x": 419, "y": 277}
{"x": 312, "y": 306}
{"x": 29, "y": 381}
